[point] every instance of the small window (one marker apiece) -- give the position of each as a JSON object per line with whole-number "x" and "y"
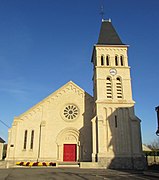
{"x": 119, "y": 88}
{"x": 108, "y": 88}
{"x": 122, "y": 60}
{"x": 116, "y": 60}
{"x": 25, "y": 139}
{"x": 108, "y": 78}
{"x": 32, "y": 139}
{"x": 116, "y": 122}
{"x": 107, "y": 61}
{"x": 102, "y": 60}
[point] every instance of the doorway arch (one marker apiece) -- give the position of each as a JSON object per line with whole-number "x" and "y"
{"x": 68, "y": 144}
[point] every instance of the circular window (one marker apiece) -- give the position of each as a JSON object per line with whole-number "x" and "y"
{"x": 70, "y": 112}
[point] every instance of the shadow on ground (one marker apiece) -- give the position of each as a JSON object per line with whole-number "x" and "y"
{"x": 154, "y": 167}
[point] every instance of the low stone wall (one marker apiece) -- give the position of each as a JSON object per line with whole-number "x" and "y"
{"x": 152, "y": 160}
{"x": 3, "y": 164}
{"x": 7, "y": 164}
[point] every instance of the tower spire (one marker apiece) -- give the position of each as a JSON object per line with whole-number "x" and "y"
{"x": 102, "y": 11}
{"x": 108, "y": 34}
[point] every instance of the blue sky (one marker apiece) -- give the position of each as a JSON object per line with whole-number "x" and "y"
{"x": 39, "y": 37}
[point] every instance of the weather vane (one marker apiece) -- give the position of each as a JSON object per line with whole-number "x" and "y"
{"x": 102, "y": 10}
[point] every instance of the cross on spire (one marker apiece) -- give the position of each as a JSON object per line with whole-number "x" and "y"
{"x": 102, "y": 11}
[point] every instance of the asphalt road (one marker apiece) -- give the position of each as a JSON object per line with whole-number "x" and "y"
{"x": 73, "y": 174}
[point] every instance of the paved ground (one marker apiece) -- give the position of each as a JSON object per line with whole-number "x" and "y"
{"x": 73, "y": 174}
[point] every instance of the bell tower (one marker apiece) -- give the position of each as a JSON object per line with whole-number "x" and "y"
{"x": 112, "y": 83}
{"x": 116, "y": 129}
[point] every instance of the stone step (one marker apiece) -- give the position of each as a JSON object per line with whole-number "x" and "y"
{"x": 67, "y": 164}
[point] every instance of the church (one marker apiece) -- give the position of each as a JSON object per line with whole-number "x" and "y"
{"x": 72, "y": 126}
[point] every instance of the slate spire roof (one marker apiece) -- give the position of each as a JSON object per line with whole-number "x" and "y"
{"x": 108, "y": 35}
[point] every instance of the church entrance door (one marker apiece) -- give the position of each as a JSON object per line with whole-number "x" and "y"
{"x": 69, "y": 152}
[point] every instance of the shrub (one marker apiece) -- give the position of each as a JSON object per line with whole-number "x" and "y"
{"x": 27, "y": 164}
{"x": 44, "y": 164}
{"x": 52, "y": 164}
{"x": 21, "y": 163}
{"x": 40, "y": 164}
{"x": 35, "y": 164}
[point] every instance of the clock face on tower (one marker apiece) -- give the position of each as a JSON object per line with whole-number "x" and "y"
{"x": 113, "y": 72}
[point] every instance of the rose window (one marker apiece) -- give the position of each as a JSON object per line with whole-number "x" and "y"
{"x": 70, "y": 112}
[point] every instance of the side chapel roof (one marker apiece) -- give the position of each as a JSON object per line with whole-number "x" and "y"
{"x": 1, "y": 140}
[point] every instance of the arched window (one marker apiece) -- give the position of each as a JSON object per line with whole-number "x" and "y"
{"x": 107, "y": 60}
{"x": 32, "y": 139}
{"x": 119, "y": 88}
{"x": 109, "y": 88}
{"x": 102, "y": 60}
{"x": 122, "y": 60}
{"x": 25, "y": 139}
{"x": 116, "y": 60}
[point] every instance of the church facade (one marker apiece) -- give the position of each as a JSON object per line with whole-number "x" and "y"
{"x": 72, "y": 126}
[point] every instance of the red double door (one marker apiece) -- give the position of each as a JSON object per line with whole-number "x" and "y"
{"x": 69, "y": 152}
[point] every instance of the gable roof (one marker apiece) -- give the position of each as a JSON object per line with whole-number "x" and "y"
{"x": 1, "y": 140}
{"x": 69, "y": 85}
{"x": 108, "y": 35}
